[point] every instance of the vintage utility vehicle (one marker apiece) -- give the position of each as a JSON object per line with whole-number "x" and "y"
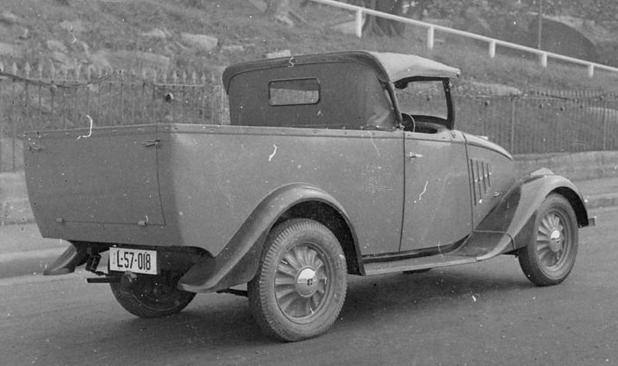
{"x": 333, "y": 164}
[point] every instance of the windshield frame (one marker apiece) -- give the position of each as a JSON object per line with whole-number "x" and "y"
{"x": 449, "y": 122}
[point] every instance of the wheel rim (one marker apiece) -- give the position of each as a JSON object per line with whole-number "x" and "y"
{"x": 302, "y": 285}
{"x": 553, "y": 242}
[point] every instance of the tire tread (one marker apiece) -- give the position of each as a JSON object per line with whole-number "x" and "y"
{"x": 526, "y": 255}
{"x": 260, "y": 300}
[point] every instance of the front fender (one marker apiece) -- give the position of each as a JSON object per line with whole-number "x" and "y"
{"x": 238, "y": 262}
{"x": 512, "y": 220}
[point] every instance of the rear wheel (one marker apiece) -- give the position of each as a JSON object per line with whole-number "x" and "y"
{"x": 301, "y": 284}
{"x": 549, "y": 257}
{"x": 151, "y": 296}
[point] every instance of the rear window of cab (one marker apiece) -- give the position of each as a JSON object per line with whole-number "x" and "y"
{"x": 294, "y": 92}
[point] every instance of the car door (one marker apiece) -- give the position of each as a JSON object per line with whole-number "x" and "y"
{"x": 437, "y": 203}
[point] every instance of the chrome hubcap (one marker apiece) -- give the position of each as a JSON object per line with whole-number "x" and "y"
{"x": 306, "y": 282}
{"x": 551, "y": 245}
{"x": 301, "y": 281}
{"x": 555, "y": 241}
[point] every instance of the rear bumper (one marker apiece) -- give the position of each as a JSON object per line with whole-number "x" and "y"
{"x": 176, "y": 259}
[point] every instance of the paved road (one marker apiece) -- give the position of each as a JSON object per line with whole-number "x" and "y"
{"x": 481, "y": 314}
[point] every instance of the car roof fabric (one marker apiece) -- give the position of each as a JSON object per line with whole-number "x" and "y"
{"x": 400, "y": 66}
{"x": 390, "y": 66}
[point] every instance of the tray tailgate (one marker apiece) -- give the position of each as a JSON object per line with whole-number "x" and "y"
{"x": 109, "y": 177}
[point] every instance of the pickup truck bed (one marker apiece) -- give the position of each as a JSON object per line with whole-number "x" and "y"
{"x": 179, "y": 185}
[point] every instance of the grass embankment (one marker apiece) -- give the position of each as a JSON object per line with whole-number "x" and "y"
{"x": 119, "y": 24}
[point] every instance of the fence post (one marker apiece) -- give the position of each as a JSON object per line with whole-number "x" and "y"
{"x": 12, "y": 122}
{"x": 204, "y": 99}
{"x": 591, "y": 70}
{"x": 25, "y": 114}
{"x": 225, "y": 120}
{"x": 543, "y": 60}
{"x": 512, "y": 122}
{"x": 430, "y": 37}
{"x": 214, "y": 105}
{"x": 1, "y": 164}
{"x": 1, "y": 160}
{"x": 2, "y": 125}
{"x": 605, "y": 116}
{"x": 358, "y": 23}
{"x": 492, "y": 48}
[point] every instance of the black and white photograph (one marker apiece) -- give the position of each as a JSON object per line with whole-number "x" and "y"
{"x": 308, "y": 182}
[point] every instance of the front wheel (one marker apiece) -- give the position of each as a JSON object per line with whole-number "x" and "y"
{"x": 550, "y": 255}
{"x": 301, "y": 284}
{"x": 151, "y": 296}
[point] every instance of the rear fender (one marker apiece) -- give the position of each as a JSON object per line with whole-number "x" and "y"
{"x": 72, "y": 257}
{"x": 238, "y": 262}
{"x": 514, "y": 217}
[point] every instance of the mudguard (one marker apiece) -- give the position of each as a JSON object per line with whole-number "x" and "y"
{"x": 72, "y": 257}
{"x": 238, "y": 262}
{"x": 509, "y": 226}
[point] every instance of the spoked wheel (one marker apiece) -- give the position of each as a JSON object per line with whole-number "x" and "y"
{"x": 549, "y": 257}
{"x": 300, "y": 286}
{"x": 151, "y": 296}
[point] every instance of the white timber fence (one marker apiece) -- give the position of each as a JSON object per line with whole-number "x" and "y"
{"x": 543, "y": 56}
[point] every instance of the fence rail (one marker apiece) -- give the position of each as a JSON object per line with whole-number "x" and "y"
{"x": 431, "y": 28}
{"x": 542, "y": 123}
{"x": 534, "y": 122}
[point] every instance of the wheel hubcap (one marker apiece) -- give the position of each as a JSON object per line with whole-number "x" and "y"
{"x": 301, "y": 281}
{"x": 555, "y": 241}
{"x": 306, "y": 282}
{"x": 551, "y": 241}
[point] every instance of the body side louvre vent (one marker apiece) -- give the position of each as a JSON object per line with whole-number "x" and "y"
{"x": 481, "y": 176}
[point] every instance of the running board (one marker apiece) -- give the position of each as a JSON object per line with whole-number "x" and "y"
{"x": 479, "y": 246}
{"x": 413, "y": 264}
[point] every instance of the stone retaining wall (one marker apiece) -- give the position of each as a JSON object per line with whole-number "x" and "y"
{"x": 575, "y": 166}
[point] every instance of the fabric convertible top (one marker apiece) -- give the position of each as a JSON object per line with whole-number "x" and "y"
{"x": 399, "y": 66}
{"x": 389, "y": 66}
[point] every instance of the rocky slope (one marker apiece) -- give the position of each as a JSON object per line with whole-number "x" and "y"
{"x": 204, "y": 35}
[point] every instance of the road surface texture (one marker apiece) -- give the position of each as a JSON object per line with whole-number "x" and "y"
{"x": 480, "y": 314}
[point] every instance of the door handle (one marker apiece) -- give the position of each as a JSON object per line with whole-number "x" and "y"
{"x": 414, "y": 155}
